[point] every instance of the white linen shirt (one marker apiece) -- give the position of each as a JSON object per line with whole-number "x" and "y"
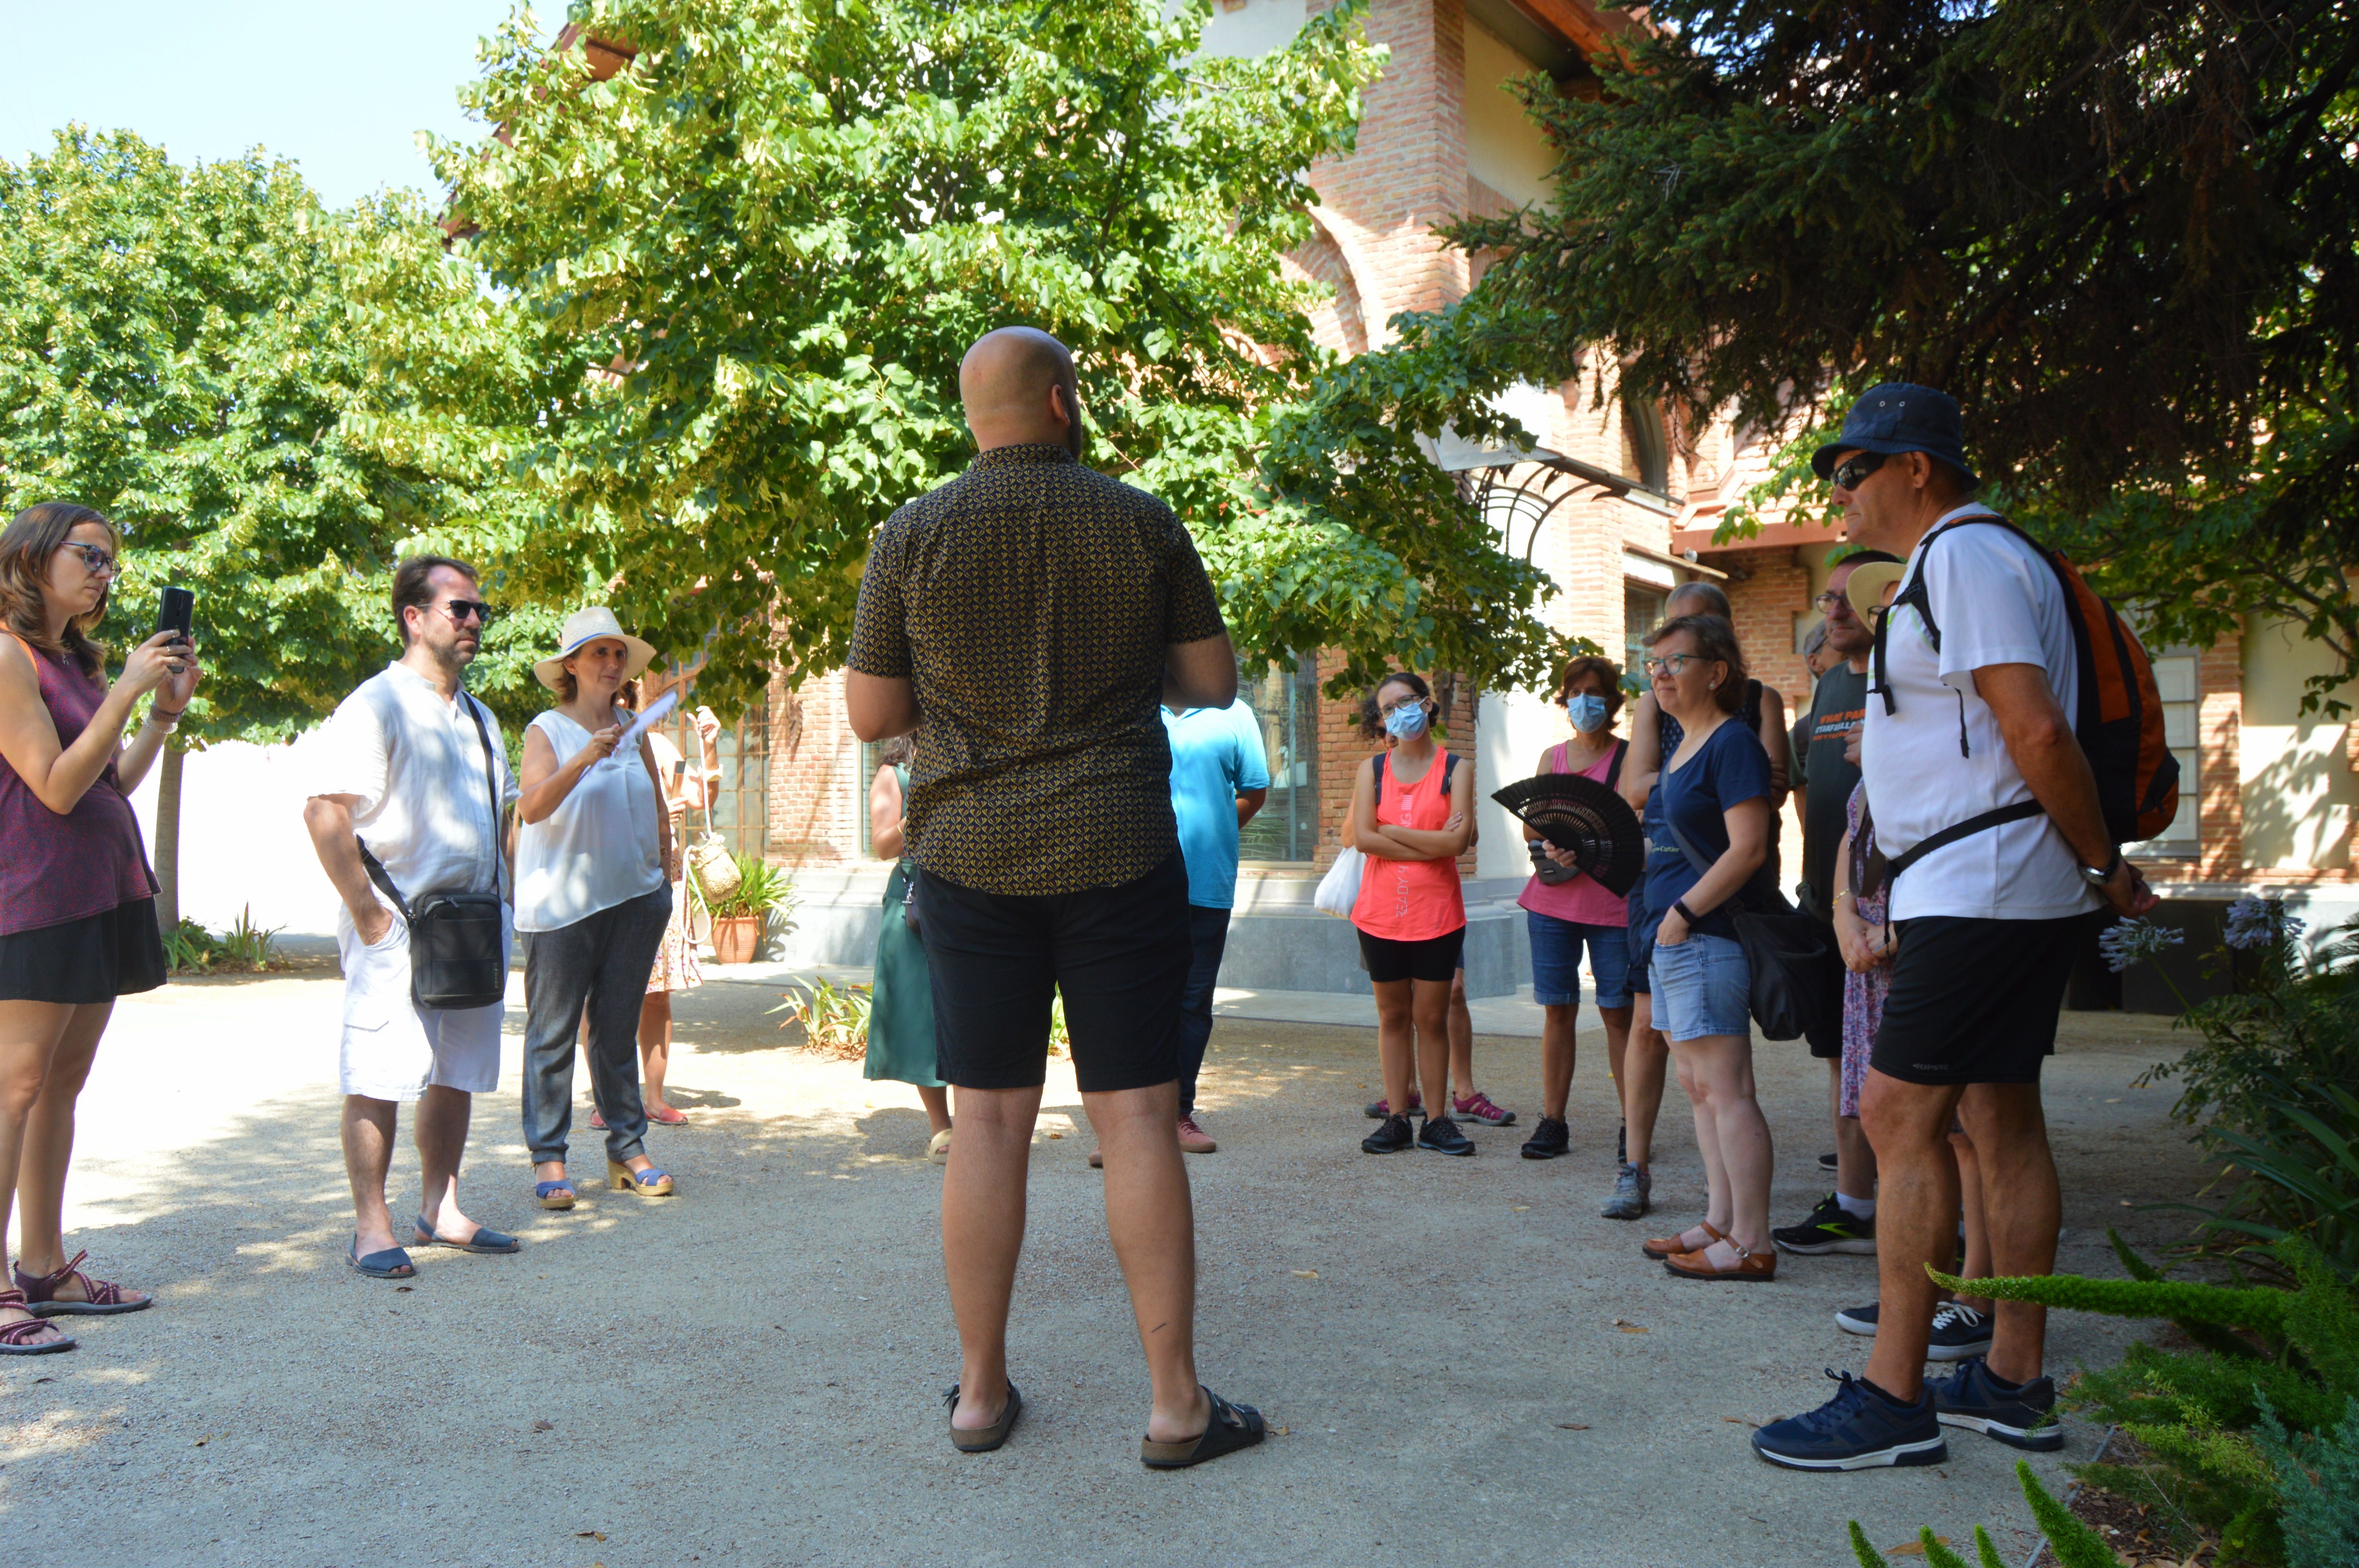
{"x": 600, "y": 848}
{"x": 1996, "y": 602}
{"x": 415, "y": 763}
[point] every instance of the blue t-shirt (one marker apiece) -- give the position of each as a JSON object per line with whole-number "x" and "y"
{"x": 1216, "y": 754}
{"x": 1731, "y": 768}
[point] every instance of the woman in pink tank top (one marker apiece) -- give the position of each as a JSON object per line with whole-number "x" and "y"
{"x": 1412, "y": 816}
{"x": 76, "y": 901}
{"x": 1568, "y": 915}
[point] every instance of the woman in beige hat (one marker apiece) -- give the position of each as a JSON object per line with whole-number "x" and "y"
{"x": 594, "y": 894}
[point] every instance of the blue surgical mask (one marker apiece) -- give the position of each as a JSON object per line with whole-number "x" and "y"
{"x": 1587, "y": 711}
{"x": 1406, "y": 722}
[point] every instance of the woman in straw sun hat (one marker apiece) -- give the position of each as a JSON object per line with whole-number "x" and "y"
{"x": 594, "y": 894}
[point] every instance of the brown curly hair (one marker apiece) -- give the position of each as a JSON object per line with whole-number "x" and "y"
{"x": 32, "y": 537}
{"x": 1597, "y": 665}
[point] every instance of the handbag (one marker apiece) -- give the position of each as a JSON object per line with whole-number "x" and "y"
{"x": 1794, "y": 965}
{"x": 712, "y": 864}
{"x": 457, "y": 956}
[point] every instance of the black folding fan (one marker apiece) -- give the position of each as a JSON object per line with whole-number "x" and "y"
{"x": 1585, "y": 818}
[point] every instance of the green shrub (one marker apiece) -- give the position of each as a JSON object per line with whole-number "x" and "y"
{"x": 2074, "y": 1543}
{"x": 834, "y": 1018}
{"x": 243, "y": 948}
{"x": 2319, "y": 1478}
{"x": 761, "y": 889}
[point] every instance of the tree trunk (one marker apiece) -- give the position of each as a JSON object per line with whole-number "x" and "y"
{"x": 168, "y": 837}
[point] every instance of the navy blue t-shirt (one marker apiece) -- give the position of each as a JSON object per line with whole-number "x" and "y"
{"x": 1730, "y": 768}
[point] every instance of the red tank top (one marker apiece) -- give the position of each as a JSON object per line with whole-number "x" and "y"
{"x": 54, "y": 869}
{"x": 1411, "y": 901}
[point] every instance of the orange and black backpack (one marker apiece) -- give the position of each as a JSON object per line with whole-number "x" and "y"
{"x": 2119, "y": 724}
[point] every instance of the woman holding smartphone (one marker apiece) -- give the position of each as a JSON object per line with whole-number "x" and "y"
{"x": 77, "y": 899}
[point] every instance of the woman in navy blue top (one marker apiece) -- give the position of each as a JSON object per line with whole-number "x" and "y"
{"x": 1707, "y": 835}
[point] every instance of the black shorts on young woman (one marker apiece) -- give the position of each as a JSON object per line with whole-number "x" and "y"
{"x": 1119, "y": 954}
{"x": 1435, "y": 959}
{"x": 1974, "y": 1001}
{"x": 93, "y": 959}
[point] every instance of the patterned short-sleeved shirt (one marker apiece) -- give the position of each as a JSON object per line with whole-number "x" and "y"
{"x": 1030, "y": 600}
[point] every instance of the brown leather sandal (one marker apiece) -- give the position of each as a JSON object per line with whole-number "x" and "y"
{"x": 984, "y": 1439}
{"x": 1663, "y": 1247}
{"x": 1752, "y": 1268}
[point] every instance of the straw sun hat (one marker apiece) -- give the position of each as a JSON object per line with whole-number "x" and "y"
{"x": 586, "y": 626}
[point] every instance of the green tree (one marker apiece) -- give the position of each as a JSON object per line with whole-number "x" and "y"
{"x": 745, "y": 242}
{"x": 176, "y": 350}
{"x": 2123, "y": 235}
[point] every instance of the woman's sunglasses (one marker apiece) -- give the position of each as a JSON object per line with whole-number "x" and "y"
{"x": 95, "y": 559}
{"x": 1852, "y": 471}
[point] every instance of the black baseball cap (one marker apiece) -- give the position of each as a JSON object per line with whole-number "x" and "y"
{"x": 1898, "y": 417}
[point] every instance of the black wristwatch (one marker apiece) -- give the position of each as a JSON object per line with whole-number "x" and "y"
{"x": 2097, "y": 879}
{"x": 1680, "y": 907}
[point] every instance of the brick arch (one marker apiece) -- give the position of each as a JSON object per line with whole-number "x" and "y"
{"x": 1340, "y": 324}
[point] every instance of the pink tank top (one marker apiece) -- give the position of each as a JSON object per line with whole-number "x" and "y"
{"x": 1411, "y": 901}
{"x": 1580, "y": 900}
{"x": 54, "y": 869}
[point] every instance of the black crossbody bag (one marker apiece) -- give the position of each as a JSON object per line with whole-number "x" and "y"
{"x": 455, "y": 957}
{"x": 1790, "y": 955}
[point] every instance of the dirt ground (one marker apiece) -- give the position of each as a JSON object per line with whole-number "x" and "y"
{"x": 1459, "y": 1357}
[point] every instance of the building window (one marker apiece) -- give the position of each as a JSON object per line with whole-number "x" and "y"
{"x": 2179, "y": 675}
{"x": 1645, "y": 444}
{"x": 1286, "y": 704}
{"x": 1642, "y": 610}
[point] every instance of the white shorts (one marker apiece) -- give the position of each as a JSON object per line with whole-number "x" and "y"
{"x": 392, "y": 1047}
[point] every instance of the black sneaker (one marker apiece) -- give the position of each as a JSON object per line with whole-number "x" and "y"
{"x": 1441, "y": 1136}
{"x": 1859, "y": 1429}
{"x": 2021, "y": 1415}
{"x": 1390, "y": 1139}
{"x": 1958, "y": 1330}
{"x": 1858, "y": 1319}
{"x": 1828, "y": 1230}
{"x": 1549, "y": 1139}
{"x": 1829, "y": 1164}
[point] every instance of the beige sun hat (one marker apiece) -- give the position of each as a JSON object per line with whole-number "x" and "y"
{"x": 585, "y": 626}
{"x": 1865, "y": 588}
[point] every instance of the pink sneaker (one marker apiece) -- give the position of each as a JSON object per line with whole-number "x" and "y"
{"x": 1194, "y": 1139}
{"x": 1380, "y": 1108}
{"x": 1478, "y": 1107}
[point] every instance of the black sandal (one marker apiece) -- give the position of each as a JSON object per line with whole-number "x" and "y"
{"x": 984, "y": 1439}
{"x": 1231, "y": 1427}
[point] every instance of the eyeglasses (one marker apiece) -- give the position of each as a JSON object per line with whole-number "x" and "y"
{"x": 94, "y": 559}
{"x": 1676, "y": 664}
{"x": 1830, "y": 601}
{"x": 461, "y": 611}
{"x": 1850, "y": 473}
{"x": 1399, "y": 702}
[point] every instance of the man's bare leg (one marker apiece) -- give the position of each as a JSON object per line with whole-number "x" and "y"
{"x": 1909, "y": 1125}
{"x": 368, "y": 1130}
{"x": 1976, "y": 1263}
{"x": 441, "y": 1132}
{"x": 1152, "y": 1222}
{"x": 983, "y": 1234}
{"x": 2022, "y": 1208}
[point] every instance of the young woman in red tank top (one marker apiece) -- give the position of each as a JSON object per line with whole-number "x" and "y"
{"x": 77, "y": 899}
{"x": 1412, "y": 816}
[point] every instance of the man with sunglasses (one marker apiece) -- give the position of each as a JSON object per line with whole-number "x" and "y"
{"x": 1987, "y": 926}
{"x": 415, "y": 767}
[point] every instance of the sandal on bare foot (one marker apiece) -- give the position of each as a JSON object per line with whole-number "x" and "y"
{"x": 1230, "y": 1428}
{"x": 24, "y": 1336}
{"x": 984, "y": 1439}
{"x": 100, "y": 1298}
{"x": 1663, "y": 1247}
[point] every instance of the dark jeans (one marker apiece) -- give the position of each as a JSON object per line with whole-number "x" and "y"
{"x": 598, "y": 966}
{"x": 1207, "y": 934}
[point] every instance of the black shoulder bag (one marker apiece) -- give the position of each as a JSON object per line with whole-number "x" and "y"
{"x": 1790, "y": 955}
{"x": 455, "y": 957}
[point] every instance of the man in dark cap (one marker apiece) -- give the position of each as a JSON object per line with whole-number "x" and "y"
{"x": 1977, "y": 677}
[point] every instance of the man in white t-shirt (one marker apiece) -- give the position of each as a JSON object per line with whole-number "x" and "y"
{"x": 1968, "y": 719}
{"x": 412, "y": 765}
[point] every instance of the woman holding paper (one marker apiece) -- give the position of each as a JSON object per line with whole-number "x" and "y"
{"x": 594, "y": 859}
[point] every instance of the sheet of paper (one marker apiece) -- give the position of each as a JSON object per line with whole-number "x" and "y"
{"x": 657, "y": 710}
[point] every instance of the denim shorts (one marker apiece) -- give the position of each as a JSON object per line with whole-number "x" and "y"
{"x": 1703, "y": 985}
{"x": 1556, "y": 960}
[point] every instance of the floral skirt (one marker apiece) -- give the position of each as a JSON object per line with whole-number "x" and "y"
{"x": 676, "y": 967}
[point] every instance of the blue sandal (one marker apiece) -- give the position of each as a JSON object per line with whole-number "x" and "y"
{"x": 558, "y": 1194}
{"x": 650, "y": 1183}
{"x": 485, "y": 1239}
{"x": 392, "y": 1264}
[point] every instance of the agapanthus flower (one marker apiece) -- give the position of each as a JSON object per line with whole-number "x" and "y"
{"x": 2259, "y": 922}
{"x": 2130, "y": 940}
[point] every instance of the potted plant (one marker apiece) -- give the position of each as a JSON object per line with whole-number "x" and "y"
{"x": 738, "y": 918}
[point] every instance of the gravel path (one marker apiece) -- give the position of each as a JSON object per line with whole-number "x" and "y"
{"x": 1466, "y": 1362}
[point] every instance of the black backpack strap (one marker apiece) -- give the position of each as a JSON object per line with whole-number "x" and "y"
{"x": 2018, "y": 812}
{"x": 1378, "y": 797}
{"x": 1448, "y": 766}
{"x": 1614, "y": 768}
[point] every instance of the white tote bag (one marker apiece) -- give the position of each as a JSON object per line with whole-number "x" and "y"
{"x": 1339, "y": 890}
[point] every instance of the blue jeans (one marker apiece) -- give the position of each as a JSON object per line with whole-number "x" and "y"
{"x": 1703, "y": 987}
{"x": 599, "y": 967}
{"x": 1556, "y": 960}
{"x": 1208, "y": 933}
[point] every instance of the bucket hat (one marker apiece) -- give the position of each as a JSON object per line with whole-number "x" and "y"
{"x": 1900, "y": 417}
{"x": 585, "y": 626}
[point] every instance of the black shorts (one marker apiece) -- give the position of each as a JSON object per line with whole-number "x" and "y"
{"x": 1435, "y": 959}
{"x": 1974, "y": 1001}
{"x": 93, "y": 959}
{"x": 1826, "y": 1040}
{"x": 1119, "y": 954}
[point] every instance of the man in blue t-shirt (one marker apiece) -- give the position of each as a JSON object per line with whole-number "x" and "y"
{"x": 1219, "y": 776}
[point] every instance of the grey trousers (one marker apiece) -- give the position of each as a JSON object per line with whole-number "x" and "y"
{"x": 598, "y": 967}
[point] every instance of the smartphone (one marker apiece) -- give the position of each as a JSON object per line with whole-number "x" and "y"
{"x": 176, "y": 611}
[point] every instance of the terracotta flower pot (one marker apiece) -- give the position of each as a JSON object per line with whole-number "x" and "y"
{"x": 736, "y": 938}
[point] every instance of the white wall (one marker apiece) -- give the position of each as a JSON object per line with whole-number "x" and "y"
{"x": 2298, "y": 792}
{"x": 1511, "y": 731}
{"x": 242, "y": 838}
{"x": 1253, "y": 28}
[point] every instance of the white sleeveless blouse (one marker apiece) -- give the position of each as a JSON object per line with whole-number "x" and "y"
{"x": 598, "y": 849}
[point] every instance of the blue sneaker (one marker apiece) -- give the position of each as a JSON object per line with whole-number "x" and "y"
{"x": 1859, "y": 1429}
{"x": 2019, "y": 1415}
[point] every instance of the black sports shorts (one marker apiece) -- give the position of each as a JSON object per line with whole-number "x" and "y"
{"x": 1435, "y": 959}
{"x": 1974, "y": 1001}
{"x": 1120, "y": 955}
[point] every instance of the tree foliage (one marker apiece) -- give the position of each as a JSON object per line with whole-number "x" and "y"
{"x": 2121, "y": 233}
